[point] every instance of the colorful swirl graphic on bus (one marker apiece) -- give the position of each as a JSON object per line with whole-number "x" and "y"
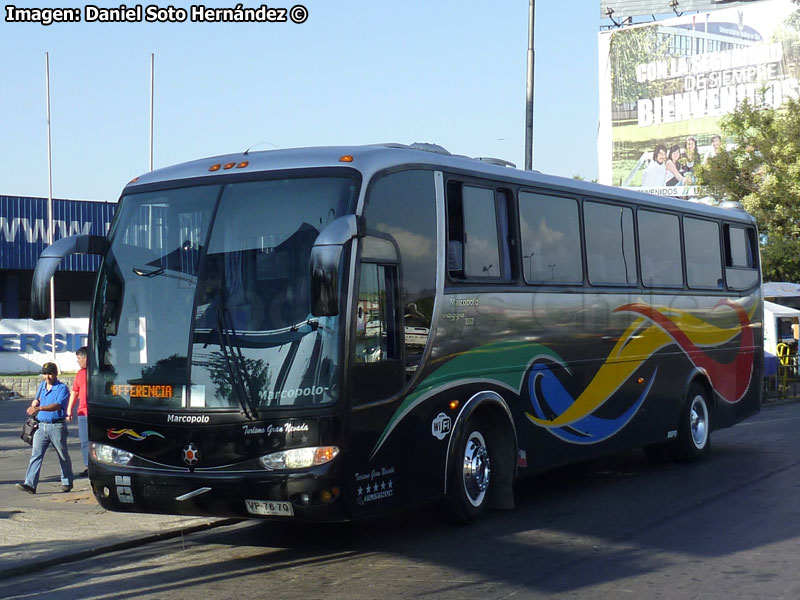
{"x": 575, "y": 419}
{"x": 547, "y": 384}
{"x": 131, "y": 434}
{"x": 550, "y": 399}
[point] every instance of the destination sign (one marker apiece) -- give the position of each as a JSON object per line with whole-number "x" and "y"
{"x": 142, "y": 391}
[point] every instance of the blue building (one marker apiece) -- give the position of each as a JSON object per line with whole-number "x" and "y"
{"x": 23, "y": 236}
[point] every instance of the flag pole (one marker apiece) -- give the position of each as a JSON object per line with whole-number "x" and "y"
{"x": 152, "y": 87}
{"x": 50, "y": 210}
{"x": 529, "y": 91}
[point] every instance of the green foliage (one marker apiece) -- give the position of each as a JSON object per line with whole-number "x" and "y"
{"x": 762, "y": 172}
{"x": 580, "y": 177}
{"x": 781, "y": 259}
{"x": 631, "y": 47}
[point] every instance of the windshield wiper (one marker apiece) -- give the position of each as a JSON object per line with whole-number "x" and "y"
{"x": 313, "y": 323}
{"x": 161, "y": 271}
{"x": 237, "y": 367}
{"x": 145, "y": 273}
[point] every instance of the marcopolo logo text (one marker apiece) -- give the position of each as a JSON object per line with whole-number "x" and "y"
{"x": 188, "y": 419}
{"x": 297, "y": 393}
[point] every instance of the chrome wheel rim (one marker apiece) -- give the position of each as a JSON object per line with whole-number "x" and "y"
{"x": 698, "y": 422}
{"x": 476, "y": 469}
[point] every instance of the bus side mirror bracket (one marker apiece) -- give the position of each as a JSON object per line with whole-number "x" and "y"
{"x": 326, "y": 255}
{"x": 48, "y": 263}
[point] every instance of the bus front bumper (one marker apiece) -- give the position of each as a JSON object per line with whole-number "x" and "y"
{"x": 308, "y": 495}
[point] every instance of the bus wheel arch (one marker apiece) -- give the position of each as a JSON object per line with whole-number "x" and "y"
{"x": 696, "y": 421}
{"x": 481, "y": 464}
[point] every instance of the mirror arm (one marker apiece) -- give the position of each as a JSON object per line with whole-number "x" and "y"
{"x": 49, "y": 260}
{"x": 341, "y": 231}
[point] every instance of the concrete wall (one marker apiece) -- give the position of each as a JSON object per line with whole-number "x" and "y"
{"x": 25, "y": 385}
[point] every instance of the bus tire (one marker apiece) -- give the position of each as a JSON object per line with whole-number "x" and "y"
{"x": 470, "y": 476}
{"x": 694, "y": 430}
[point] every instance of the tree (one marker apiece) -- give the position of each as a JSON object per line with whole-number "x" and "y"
{"x": 631, "y": 47}
{"x": 762, "y": 172}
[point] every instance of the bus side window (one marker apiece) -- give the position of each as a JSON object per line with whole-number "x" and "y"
{"x": 455, "y": 231}
{"x": 660, "y": 249}
{"x": 477, "y": 233}
{"x": 703, "y": 255}
{"x": 610, "y": 252}
{"x": 550, "y": 238}
{"x": 741, "y": 262}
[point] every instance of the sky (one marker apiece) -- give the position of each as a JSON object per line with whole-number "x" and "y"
{"x": 355, "y": 72}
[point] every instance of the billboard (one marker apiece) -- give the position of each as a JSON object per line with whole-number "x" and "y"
{"x": 25, "y": 344}
{"x": 24, "y": 229}
{"x": 665, "y": 85}
{"x": 634, "y": 8}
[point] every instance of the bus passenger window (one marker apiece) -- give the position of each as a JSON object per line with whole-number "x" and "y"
{"x": 660, "y": 249}
{"x": 478, "y": 233}
{"x": 703, "y": 255}
{"x": 610, "y": 254}
{"x": 741, "y": 263}
{"x": 551, "y": 239}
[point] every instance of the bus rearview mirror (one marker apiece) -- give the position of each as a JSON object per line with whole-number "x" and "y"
{"x": 324, "y": 264}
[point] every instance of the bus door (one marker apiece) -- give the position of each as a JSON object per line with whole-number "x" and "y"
{"x": 393, "y": 457}
{"x": 376, "y": 371}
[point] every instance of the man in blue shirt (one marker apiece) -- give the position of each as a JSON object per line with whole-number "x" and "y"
{"x": 50, "y": 408}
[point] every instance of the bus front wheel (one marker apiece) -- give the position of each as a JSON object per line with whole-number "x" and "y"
{"x": 694, "y": 430}
{"x": 470, "y": 476}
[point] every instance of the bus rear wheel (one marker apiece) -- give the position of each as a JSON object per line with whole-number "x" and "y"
{"x": 694, "y": 430}
{"x": 470, "y": 476}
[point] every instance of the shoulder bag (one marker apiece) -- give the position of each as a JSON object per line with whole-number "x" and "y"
{"x": 28, "y": 429}
{"x": 31, "y": 424}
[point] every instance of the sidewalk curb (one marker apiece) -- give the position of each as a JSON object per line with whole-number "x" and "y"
{"x": 779, "y": 402}
{"x": 36, "y": 566}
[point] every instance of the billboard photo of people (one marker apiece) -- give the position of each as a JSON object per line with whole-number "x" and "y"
{"x": 664, "y": 87}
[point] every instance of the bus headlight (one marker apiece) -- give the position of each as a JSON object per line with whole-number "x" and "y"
{"x": 299, "y": 458}
{"x": 110, "y": 455}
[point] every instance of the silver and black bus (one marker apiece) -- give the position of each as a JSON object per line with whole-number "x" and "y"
{"x": 331, "y": 333}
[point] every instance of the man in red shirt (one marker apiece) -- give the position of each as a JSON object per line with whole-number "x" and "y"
{"x": 79, "y": 394}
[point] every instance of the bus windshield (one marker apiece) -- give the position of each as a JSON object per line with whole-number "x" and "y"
{"x": 203, "y": 298}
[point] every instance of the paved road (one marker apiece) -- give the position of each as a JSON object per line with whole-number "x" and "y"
{"x": 51, "y": 527}
{"x": 622, "y": 527}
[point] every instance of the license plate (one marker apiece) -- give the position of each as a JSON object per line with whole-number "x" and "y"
{"x": 271, "y": 508}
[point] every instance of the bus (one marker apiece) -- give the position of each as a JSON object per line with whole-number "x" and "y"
{"x": 334, "y": 333}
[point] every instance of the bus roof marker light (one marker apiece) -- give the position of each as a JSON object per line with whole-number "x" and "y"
{"x": 229, "y": 165}
{"x": 346, "y": 158}
{"x": 215, "y": 167}
{"x": 242, "y": 164}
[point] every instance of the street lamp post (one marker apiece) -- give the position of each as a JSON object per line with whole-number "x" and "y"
{"x": 529, "y": 91}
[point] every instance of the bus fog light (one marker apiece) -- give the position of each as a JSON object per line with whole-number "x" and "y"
{"x": 110, "y": 455}
{"x": 106, "y": 492}
{"x": 299, "y": 458}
